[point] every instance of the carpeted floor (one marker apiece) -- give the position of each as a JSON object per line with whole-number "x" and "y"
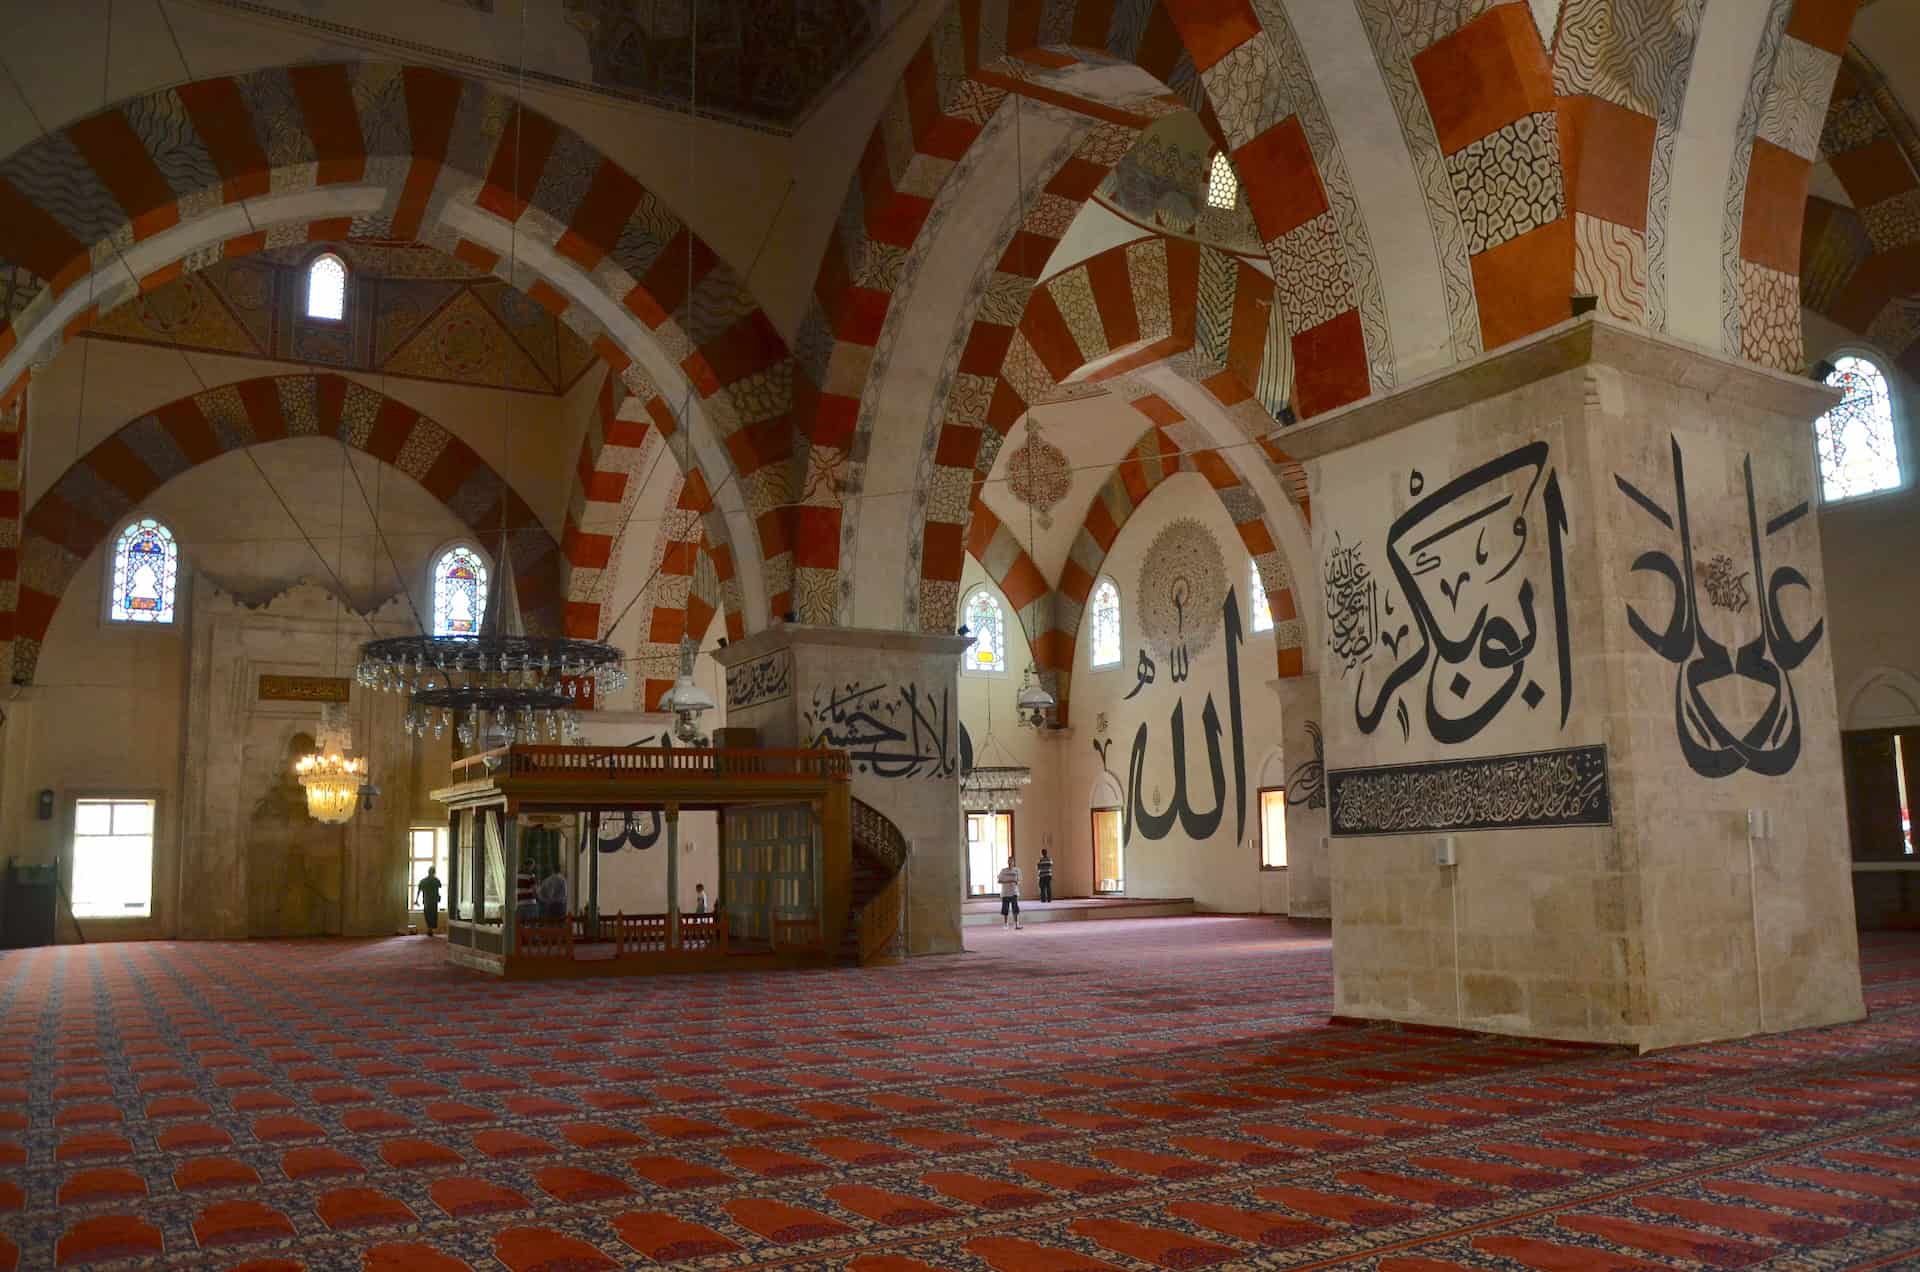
{"x": 1133, "y": 1094}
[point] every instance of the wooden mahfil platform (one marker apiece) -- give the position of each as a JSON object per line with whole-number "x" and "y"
{"x": 784, "y": 890}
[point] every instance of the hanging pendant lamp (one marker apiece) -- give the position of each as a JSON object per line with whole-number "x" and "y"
{"x": 330, "y": 775}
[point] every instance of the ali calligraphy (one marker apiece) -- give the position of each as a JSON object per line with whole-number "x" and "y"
{"x": 1764, "y": 650}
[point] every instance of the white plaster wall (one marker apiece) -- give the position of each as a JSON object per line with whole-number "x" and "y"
{"x": 1221, "y": 872}
{"x": 108, "y": 709}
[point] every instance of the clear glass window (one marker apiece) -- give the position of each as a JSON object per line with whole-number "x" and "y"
{"x": 146, "y": 568}
{"x": 459, "y": 592}
{"x": 327, "y": 288}
{"x": 1857, "y": 441}
{"x": 1259, "y": 613}
{"x": 112, "y": 859}
{"x": 426, "y": 846}
{"x": 1223, "y": 186}
{"x": 986, "y": 619}
{"x": 1106, "y": 625}
{"x": 1273, "y": 828}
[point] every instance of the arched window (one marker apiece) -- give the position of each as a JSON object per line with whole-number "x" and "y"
{"x": 1857, "y": 441}
{"x": 327, "y": 288}
{"x": 1223, "y": 187}
{"x": 1106, "y": 625}
{"x": 146, "y": 567}
{"x": 1258, "y": 611}
{"x": 988, "y": 623}
{"x": 459, "y": 592}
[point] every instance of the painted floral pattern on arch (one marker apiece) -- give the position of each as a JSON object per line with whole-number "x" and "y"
{"x": 1039, "y": 476}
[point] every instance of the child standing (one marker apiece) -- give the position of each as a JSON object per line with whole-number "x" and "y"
{"x": 1010, "y": 895}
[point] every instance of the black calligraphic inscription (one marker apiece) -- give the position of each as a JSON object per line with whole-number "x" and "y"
{"x": 629, "y": 830}
{"x": 1502, "y": 792}
{"x": 1182, "y": 663}
{"x": 1307, "y": 784}
{"x": 1353, "y": 605}
{"x": 1195, "y": 825}
{"x": 1713, "y": 746}
{"x": 890, "y": 732}
{"x": 1468, "y": 618}
{"x": 1726, "y": 585}
{"x": 765, "y": 679}
{"x": 1143, "y": 672}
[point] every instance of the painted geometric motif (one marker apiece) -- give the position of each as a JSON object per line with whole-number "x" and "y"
{"x": 1508, "y": 182}
{"x": 1796, "y": 101}
{"x": 1039, "y": 476}
{"x": 1610, "y": 263}
{"x": 1183, "y": 582}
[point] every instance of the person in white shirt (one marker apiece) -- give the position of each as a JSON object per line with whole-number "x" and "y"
{"x": 1010, "y": 895}
{"x": 699, "y": 898}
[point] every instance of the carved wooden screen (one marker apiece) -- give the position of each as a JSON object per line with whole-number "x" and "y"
{"x": 770, "y": 869}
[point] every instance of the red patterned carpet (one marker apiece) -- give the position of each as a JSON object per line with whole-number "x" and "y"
{"x": 1163, "y": 1093}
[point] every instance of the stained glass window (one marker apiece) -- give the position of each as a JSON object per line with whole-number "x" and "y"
{"x": 146, "y": 566}
{"x": 459, "y": 592}
{"x": 1257, "y": 607}
{"x": 1106, "y": 624}
{"x": 988, "y": 623}
{"x": 327, "y": 288}
{"x": 1223, "y": 187}
{"x": 1859, "y": 449}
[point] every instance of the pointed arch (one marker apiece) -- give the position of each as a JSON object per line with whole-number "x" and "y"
{"x": 105, "y": 485}
{"x": 131, "y": 197}
{"x": 1471, "y": 89}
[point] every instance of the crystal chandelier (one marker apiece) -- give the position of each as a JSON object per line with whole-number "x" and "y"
{"x": 498, "y": 687}
{"x": 331, "y": 778}
{"x": 994, "y": 788}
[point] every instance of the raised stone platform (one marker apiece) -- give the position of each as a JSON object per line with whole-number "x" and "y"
{"x": 981, "y": 911}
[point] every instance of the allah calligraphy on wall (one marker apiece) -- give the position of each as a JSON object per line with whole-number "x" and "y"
{"x": 1715, "y": 646}
{"x": 1455, "y": 613}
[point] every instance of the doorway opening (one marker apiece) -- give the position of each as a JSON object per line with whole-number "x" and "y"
{"x": 1109, "y": 874}
{"x": 989, "y": 845}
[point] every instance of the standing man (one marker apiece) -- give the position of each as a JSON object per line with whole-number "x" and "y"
{"x": 1044, "y": 869}
{"x": 1010, "y": 895}
{"x": 429, "y": 890}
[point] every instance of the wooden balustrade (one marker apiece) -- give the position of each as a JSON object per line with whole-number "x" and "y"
{"x": 880, "y": 921}
{"x": 704, "y": 932}
{"x": 676, "y": 763}
{"x": 630, "y": 934}
{"x": 544, "y": 940}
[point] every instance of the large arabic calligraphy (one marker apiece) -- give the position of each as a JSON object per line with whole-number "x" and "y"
{"x": 1179, "y": 810}
{"x": 1762, "y": 650}
{"x": 1460, "y": 605}
{"x": 889, "y": 732}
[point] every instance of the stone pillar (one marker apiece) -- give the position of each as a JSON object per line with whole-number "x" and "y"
{"x": 673, "y": 876}
{"x": 891, "y": 701}
{"x": 1576, "y": 644}
{"x": 1309, "y": 883}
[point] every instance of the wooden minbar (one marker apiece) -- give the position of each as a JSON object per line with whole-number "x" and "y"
{"x": 784, "y": 895}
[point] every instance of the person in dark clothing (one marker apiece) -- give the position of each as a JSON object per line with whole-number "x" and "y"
{"x": 1044, "y": 867}
{"x": 429, "y": 890}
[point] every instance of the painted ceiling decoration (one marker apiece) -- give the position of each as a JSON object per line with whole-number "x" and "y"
{"x": 102, "y": 487}
{"x": 764, "y": 64}
{"x": 1161, "y": 185}
{"x": 447, "y": 159}
{"x": 428, "y": 324}
{"x": 1858, "y": 263}
{"x": 1039, "y": 475}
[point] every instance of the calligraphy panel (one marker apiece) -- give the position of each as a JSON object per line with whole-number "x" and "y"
{"x": 1724, "y": 599}
{"x": 768, "y": 678}
{"x": 1566, "y": 787}
{"x": 1454, "y": 614}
